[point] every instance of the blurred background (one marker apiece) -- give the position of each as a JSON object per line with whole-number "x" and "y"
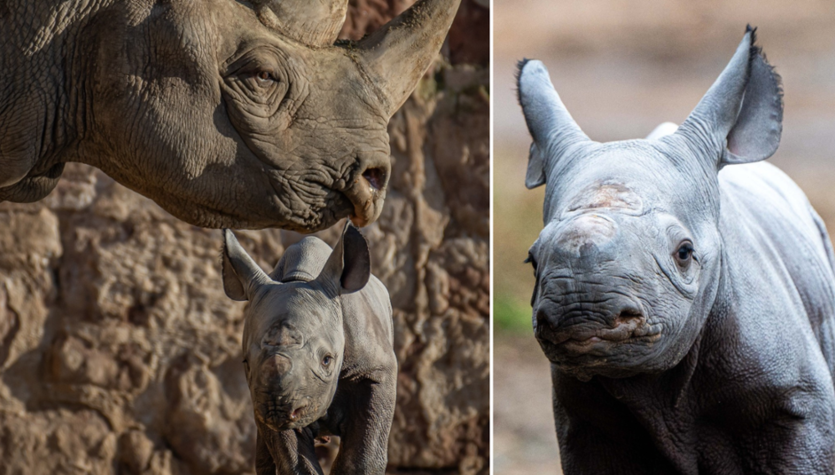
{"x": 622, "y": 68}
{"x": 121, "y": 354}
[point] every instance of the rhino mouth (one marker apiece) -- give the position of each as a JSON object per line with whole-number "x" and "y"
{"x": 315, "y": 200}
{"x": 587, "y": 337}
{"x": 367, "y": 192}
{"x": 283, "y": 416}
{"x": 603, "y": 339}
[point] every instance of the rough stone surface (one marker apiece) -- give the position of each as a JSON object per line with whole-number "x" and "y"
{"x": 120, "y": 353}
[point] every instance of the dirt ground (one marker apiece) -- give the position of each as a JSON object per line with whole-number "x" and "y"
{"x": 622, "y": 68}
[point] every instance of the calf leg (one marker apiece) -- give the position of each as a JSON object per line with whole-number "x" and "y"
{"x": 368, "y": 413}
{"x": 264, "y": 464}
{"x": 291, "y": 452}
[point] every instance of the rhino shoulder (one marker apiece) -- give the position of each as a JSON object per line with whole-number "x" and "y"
{"x": 369, "y": 333}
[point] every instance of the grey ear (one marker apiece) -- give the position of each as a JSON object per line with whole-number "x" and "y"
{"x": 741, "y": 116}
{"x": 241, "y": 275}
{"x": 535, "y": 176}
{"x": 349, "y": 265}
{"x": 551, "y": 126}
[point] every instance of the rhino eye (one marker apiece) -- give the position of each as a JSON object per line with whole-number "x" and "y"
{"x": 326, "y": 361}
{"x": 684, "y": 254}
{"x": 264, "y": 77}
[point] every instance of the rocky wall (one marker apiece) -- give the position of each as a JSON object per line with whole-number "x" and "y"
{"x": 120, "y": 353}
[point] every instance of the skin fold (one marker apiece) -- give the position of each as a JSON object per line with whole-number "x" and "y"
{"x": 685, "y": 294}
{"x": 319, "y": 357}
{"x": 227, "y": 113}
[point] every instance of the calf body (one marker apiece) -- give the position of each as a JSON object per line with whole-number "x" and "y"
{"x": 685, "y": 295}
{"x": 318, "y": 348}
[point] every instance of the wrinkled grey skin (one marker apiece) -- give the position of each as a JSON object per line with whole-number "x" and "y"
{"x": 227, "y": 113}
{"x": 318, "y": 354}
{"x": 687, "y": 312}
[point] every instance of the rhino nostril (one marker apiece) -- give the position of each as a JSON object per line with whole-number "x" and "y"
{"x": 296, "y": 413}
{"x": 376, "y": 177}
{"x": 629, "y": 313}
{"x": 541, "y": 319}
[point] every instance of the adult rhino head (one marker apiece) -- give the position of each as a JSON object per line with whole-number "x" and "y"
{"x": 224, "y": 112}
{"x": 293, "y": 340}
{"x": 627, "y": 265}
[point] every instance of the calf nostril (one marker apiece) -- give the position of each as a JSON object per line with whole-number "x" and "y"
{"x": 541, "y": 319}
{"x": 376, "y": 177}
{"x": 296, "y": 413}
{"x": 629, "y": 313}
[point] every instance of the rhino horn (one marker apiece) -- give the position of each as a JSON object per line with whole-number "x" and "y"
{"x": 312, "y": 22}
{"x": 741, "y": 116}
{"x": 397, "y": 55}
{"x": 551, "y": 126}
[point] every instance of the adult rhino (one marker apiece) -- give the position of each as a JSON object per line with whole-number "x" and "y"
{"x": 226, "y": 113}
{"x": 684, "y": 295}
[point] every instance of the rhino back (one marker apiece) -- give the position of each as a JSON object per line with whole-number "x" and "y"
{"x": 779, "y": 260}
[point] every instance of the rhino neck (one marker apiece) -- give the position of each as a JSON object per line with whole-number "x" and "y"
{"x": 50, "y": 47}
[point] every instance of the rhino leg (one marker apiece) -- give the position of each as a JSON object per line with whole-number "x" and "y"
{"x": 369, "y": 409}
{"x": 264, "y": 464}
{"x": 292, "y": 452}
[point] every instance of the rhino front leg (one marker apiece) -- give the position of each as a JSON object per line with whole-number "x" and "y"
{"x": 369, "y": 410}
{"x": 291, "y": 452}
{"x": 264, "y": 464}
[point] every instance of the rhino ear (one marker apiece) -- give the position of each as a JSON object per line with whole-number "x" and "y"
{"x": 241, "y": 275}
{"x": 551, "y": 126}
{"x": 349, "y": 265}
{"x": 535, "y": 176}
{"x": 742, "y": 113}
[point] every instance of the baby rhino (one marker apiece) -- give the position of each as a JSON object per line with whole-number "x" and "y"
{"x": 318, "y": 354}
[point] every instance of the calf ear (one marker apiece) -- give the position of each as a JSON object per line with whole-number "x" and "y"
{"x": 241, "y": 275}
{"x": 741, "y": 116}
{"x": 349, "y": 265}
{"x": 551, "y": 126}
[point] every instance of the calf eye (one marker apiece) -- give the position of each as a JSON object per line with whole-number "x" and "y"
{"x": 326, "y": 361}
{"x": 684, "y": 254}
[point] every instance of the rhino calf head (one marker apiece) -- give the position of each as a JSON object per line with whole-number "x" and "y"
{"x": 293, "y": 342}
{"x": 627, "y": 264}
